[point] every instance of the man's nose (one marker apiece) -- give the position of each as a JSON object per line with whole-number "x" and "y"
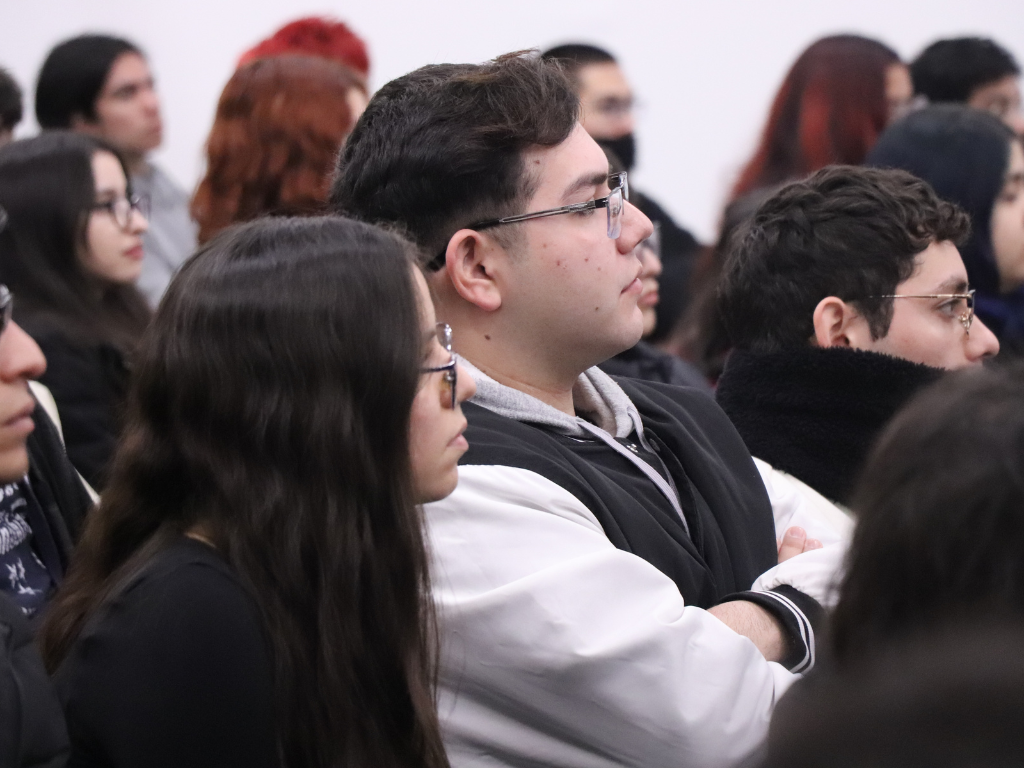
{"x": 981, "y": 342}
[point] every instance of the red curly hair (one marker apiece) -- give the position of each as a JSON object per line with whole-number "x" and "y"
{"x": 830, "y": 109}
{"x": 314, "y": 36}
{"x": 279, "y": 125}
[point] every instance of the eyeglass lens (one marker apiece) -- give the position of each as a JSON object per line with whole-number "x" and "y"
{"x": 6, "y": 307}
{"x": 450, "y": 377}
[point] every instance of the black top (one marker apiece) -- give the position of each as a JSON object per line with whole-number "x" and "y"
{"x": 815, "y": 413}
{"x": 32, "y": 731}
{"x": 89, "y": 382}
{"x": 174, "y": 670}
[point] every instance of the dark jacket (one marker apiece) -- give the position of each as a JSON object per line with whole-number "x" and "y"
{"x": 32, "y": 729}
{"x": 56, "y": 485}
{"x": 815, "y": 413}
{"x": 89, "y": 382}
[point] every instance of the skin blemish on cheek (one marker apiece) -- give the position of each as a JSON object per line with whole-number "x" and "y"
{"x": 597, "y": 309}
{"x": 487, "y": 336}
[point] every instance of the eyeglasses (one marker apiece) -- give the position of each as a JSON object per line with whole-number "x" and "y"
{"x": 121, "y": 209}
{"x": 451, "y": 375}
{"x": 966, "y": 311}
{"x": 6, "y": 307}
{"x": 614, "y": 203}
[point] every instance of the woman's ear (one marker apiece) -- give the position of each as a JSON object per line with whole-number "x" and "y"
{"x": 834, "y": 323}
{"x": 472, "y": 263}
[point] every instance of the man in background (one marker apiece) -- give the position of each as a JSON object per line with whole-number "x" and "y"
{"x": 974, "y": 71}
{"x": 607, "y": 103}
{"x": 10, "y": 106}
{"x": 102, "y": 86}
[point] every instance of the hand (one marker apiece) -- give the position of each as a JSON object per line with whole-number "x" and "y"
{"x": 795, "y": 542}
{"x": 753, "y": 622}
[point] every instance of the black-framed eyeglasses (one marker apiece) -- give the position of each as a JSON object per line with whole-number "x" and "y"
{"x": 965, "y": 313}
{"x": 614, "y": 203}
{"x": 451, "y": 375}
{"x": 6, "y": 307}
{"x": 121, "y": 209}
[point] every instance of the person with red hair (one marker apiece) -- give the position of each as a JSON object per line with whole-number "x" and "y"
{"x": 279, "y": 124}
{"x": 314, "y": 36}
{"x": 835, "y": 101}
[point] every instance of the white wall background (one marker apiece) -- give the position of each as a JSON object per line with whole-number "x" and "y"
{"x": 704, "y": 72}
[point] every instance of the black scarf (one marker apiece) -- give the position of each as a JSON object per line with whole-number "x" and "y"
{"x": 815, "y": 413}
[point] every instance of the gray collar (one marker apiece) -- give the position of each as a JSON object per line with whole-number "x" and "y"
{"x": 594, "y": 394}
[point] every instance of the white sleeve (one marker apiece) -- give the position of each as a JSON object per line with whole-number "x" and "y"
{"x": 560, "y": 650}
{"x": 796, "y": 503}
{"x": 816, "y": 573}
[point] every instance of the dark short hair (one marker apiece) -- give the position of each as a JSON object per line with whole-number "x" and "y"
{"x": 443, "y": 146}
{"x": 940, "y": 529}
{"x": 574, "y": 56}
{"x": 846, "y": 231}
{"x": 10, "y": 101}
{"x": 951, "y": 70}
{"x": 73, "y": 76}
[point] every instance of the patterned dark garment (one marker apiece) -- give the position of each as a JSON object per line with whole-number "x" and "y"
{"x": 23, "y": 576}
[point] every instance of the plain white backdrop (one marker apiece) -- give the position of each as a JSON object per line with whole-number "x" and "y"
{"x": 704, "y": 72}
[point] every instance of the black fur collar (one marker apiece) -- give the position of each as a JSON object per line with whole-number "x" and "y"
{"x": 815, "y": 413}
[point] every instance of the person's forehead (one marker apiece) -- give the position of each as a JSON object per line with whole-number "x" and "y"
{"x": 128, "y": 68}
{"x": 556, "y": 169}
{"x": 1007, "y": 88}
{"x": 937, "y": 269}
{"x": 601, "y": 80}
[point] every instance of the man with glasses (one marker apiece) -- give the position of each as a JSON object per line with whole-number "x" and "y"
{"x": 844, "y": 296}
{"x": 593, "y": 568}
{"x": 607, "y": 113}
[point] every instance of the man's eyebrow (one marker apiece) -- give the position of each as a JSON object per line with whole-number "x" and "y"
{"x": 953, "y": 285}
{"x": 586, "y": 182}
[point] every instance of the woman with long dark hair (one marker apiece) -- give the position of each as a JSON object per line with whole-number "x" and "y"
{"x": 834, "y": 102}
{"x": 972, "y": 159}
{"x": 71, "y": 252}
{"x": 252, "y": 589}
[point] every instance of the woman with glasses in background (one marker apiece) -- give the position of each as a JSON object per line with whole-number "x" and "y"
{"x": 253, "y": 589}
{"x": 71, "y": 252}
{"x": 972, "y": 159}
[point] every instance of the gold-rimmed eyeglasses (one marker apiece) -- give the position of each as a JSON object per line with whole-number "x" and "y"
{"x": 964, "y": 312}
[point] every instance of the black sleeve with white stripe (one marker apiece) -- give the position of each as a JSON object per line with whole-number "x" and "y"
{"x": 798, "y": 614}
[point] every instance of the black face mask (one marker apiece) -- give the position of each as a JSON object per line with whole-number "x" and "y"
{"x": 623, "y": 148}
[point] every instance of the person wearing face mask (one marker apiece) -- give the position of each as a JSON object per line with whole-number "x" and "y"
{"x": 72, "y": 254}
{"x": 253, "y": 590}
{"x": 977, "y": 162}
{"x": 606, "y": 113}
{"x": 843, "y": 296}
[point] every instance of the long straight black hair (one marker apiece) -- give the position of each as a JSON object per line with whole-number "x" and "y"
{"x": 271, "y": 407}
{"x": 48, "y": 190}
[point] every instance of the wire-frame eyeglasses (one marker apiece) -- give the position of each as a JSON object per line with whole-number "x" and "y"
{"x": 451, "y": 374}
{"x": 614, "y": 203}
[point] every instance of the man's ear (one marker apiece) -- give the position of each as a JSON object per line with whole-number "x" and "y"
{"x": 838, "y": 324}
{"x": 471, "y": 264}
